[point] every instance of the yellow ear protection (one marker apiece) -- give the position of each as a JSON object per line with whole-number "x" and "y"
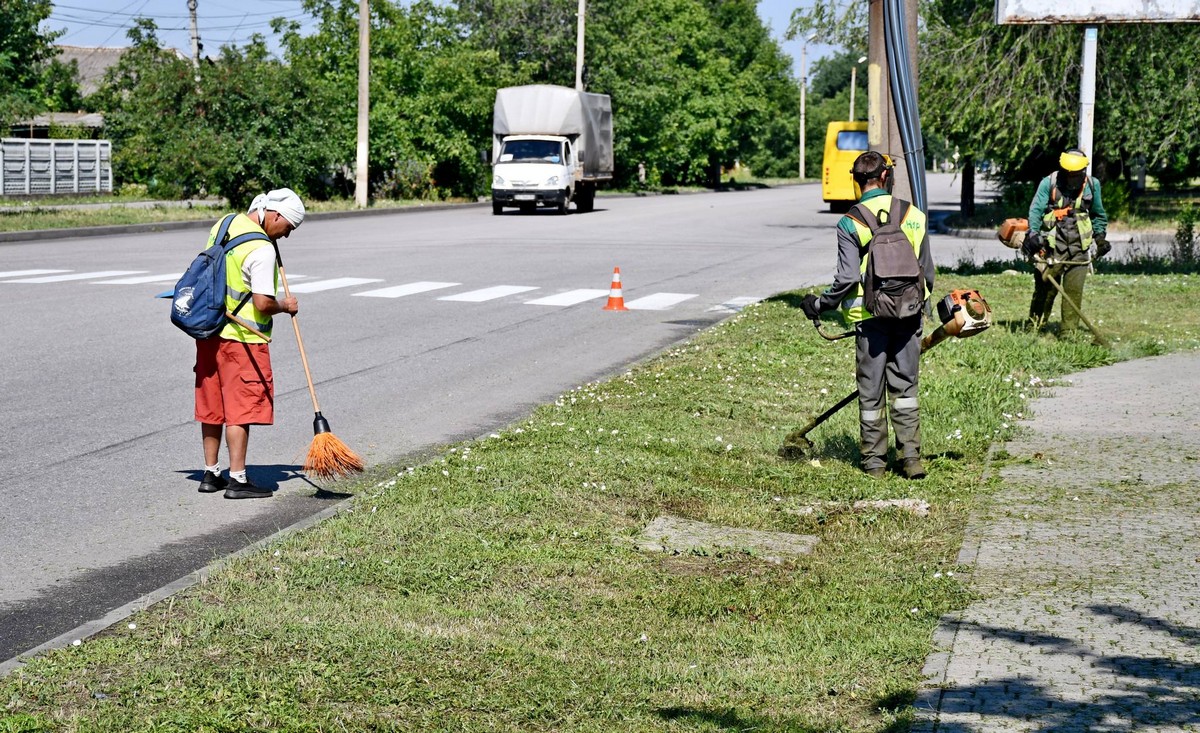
{"x": 887, "y": 166}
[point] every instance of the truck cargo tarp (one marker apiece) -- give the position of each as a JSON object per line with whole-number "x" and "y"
{"x": 542, "y": 109}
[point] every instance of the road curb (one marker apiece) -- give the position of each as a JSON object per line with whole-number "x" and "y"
{"x": 117, "y": 615}
{"x": 36, "y": 235}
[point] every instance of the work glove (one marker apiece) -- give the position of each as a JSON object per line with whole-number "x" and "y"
{"x": 1034, "y": 243}
{"x": 1102, "y": 247}
{"x": 811, "y": 307}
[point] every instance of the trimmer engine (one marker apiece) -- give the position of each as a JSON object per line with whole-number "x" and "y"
{"x": 968, "y": 310}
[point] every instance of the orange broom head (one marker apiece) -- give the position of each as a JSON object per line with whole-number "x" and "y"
{"x": 330, "y": 458}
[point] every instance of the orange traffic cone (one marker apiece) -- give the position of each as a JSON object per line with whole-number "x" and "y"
{"x": 616, "y": 301}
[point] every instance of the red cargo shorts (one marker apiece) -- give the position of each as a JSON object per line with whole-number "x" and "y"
{"x": 234, "y": 384}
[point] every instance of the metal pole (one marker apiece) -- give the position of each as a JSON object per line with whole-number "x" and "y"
{"x": 1087, "y": 93}
{"x": 853, "y": 83}
{"x": 803, "y": 88}
{"x": 579, "y": 45}
{"x": 364, "y": 102}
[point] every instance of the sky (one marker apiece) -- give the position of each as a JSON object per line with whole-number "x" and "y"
{"x": 221, "y": 22}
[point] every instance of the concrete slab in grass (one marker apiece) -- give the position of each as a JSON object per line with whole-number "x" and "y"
{"x": 678, "y": 535}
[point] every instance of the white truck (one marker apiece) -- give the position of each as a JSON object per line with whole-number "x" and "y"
{"x": 550, "y": 145}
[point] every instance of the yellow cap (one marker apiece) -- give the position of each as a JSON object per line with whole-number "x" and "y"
{"x": 1073, "y": 160}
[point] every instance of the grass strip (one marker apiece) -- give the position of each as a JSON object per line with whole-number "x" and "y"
{"x": 495, "y": 587}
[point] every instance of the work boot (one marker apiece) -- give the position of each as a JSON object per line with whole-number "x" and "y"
{"x": 212, "y": 483}
{"x": 913, "y": 468}
{"x": 906, "y": 421}
{"x": 878, "y": 472}
{"x": 246, "y": 490}
{"x": 873, "y": 446}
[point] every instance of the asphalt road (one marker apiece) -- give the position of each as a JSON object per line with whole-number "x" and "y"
{"x": 100, "y": 457}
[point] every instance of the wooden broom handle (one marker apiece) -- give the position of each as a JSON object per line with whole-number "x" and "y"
{"x": 296, "y": 325}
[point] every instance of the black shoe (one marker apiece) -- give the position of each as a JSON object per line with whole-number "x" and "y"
{"x": 246, "y": 490}
{"x": 212, "y": 483}
{"x": 913, "y": 468}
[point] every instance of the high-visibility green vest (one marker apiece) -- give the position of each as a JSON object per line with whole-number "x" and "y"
{"x": 913, "y": 225}
{"x": 1067, "y": 220}
{"x": 236, "y": 286}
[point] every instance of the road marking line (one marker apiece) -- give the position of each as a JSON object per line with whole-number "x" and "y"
{"x": 142, "y": 279}
{"x": 734, "y": 305}
{"x": 402, "y": 290}
{"x": 499, "y": 291}
{"x": 27, "y": 273}
{"x": 77, "y": 276}
{"x": 658, "y": 301}
{"x": 571, "y": 297}
{"x": 317, "y": 286}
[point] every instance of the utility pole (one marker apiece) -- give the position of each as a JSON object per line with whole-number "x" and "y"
{"x": 364, "y": 102}
{"x": 196, "y": 46}
{"x": 883, "y": 131}
{"x": 803, "y": 90}
{"x": 579, "y": 45}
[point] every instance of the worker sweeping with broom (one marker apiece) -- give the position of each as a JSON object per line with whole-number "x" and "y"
{"x": 234, "y": 383}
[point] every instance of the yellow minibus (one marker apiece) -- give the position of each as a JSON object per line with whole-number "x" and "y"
{"x": 844, "y": 141}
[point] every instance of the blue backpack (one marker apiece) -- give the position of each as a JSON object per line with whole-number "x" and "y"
{"x": 198, "y": 307}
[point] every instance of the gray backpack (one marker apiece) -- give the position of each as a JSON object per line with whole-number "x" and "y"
{"x": 893, "y": 285}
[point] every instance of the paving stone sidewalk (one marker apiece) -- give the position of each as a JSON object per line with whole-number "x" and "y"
{"x": 1087, "y": 567}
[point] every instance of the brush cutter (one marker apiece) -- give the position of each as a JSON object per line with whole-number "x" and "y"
{"x": 963, "y": 313}
{"x": 1042, "y": 264}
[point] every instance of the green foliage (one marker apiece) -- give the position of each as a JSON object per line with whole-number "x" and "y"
{"x": 1183, "y": 247}
{"x": 696, "y": 85}
{"x": 238, "y": 127}
{"x": 31, "y": 79}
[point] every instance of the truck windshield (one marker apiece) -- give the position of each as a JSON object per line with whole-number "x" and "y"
{"x": 531, "y": 151}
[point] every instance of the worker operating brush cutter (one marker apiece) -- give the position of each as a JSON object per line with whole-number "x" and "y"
{"x": 963, "y": 313}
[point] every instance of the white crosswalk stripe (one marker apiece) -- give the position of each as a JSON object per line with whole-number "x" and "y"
{"x": 658, "y": 301}
{"x": 498, "y": 291}
{"x": 77, "y": 276}
{"x": 563, "y": 299}
{"x": 27, "y": 273}
{"x": 399, "y": 291}
{"x": 571, "y": 297}
{"x": 735, "y": 305}
{"x": 317, "y": 286}
{"x": 167, "y": 277}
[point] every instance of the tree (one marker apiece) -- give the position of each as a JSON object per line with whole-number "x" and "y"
{"x": 248, "y": 125}
{"x": 31, "y": 79}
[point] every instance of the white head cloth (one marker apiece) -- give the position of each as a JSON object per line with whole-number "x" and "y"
{"x": 283, "y": 200}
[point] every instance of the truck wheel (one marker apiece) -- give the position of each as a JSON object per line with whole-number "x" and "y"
{"x": 585, "y": 200}
{"x": 497, "y": 209}
{"x": 561, "y": 209}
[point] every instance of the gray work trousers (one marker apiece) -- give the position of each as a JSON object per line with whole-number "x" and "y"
{"x": 888, "y": 354}
{"x": 1041, "y": 308}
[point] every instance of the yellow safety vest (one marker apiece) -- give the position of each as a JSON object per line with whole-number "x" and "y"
{"x": 236, "y": 286}
{"x": 913, "y": 226}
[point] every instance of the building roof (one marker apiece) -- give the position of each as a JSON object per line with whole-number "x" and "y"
{"x": 93, "y": 61}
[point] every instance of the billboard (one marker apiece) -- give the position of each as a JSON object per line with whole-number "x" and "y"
{"x": 1098, "y": 12}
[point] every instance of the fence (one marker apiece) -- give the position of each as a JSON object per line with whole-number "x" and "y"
{"x": 32, "y": 167}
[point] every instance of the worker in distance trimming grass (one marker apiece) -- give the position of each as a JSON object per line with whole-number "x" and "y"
{"x": 887, "y": 349}
{"x": 1066, "y": 217}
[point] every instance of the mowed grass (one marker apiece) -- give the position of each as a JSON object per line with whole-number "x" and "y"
{"x": 496, "y": 588}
